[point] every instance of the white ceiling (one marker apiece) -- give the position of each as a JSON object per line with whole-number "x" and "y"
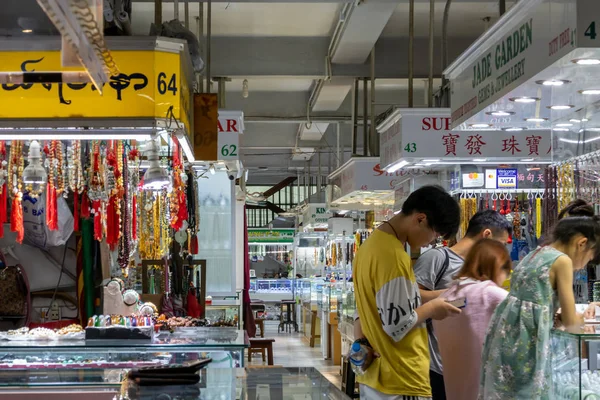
{"x": 249, "y": 19}
{"x": 465, "y": 18}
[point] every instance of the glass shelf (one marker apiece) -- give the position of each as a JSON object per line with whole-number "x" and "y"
{"x": 278, "y": 383}
{"x": 194, "y": 337}
{"x": 575, "y": 363}
{"x": 226, "y": 346}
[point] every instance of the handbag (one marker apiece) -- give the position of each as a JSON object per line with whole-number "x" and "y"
{"x": 14, "y": 290}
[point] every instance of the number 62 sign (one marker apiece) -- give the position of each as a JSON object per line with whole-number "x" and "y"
{"x": 231, "y": 125}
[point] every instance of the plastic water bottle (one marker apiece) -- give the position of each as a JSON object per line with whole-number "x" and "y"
{"x": 358, "y": 357}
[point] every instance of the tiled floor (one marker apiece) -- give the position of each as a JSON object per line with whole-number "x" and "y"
{"x": 289, "y": 350}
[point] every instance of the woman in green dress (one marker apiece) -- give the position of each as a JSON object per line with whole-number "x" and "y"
{"x": 516, "y": 357}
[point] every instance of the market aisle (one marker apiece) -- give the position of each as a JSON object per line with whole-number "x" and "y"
{"x": 290, "y": 351}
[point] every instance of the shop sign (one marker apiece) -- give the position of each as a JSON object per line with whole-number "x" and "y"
{"x": 535, "y": 34}
{"x": 507, "y": 178}
{"x": 316, "y": 214}
{"x": 367, "y": 174}
{"x": 427, "y": 134}
{"x": 271, "y": 235}
{"x": 231, "y": 126}
{"x": 149, "y": 84}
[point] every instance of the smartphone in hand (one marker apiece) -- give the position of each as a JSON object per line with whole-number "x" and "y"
{"x": 458, "y": 303}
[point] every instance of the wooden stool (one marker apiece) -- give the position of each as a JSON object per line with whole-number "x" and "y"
{"x": 260, "y": 323}
{"x": 260, "y": 345}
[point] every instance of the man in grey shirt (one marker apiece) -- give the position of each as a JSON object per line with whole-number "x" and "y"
{"x": 435, "y": 271}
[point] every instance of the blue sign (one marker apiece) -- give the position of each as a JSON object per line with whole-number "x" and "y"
{"x": 507, "y": 178}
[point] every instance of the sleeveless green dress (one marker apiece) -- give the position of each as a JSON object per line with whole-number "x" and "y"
{"x": 516, "y": 358}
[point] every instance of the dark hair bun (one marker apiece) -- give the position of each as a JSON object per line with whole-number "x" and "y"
{"x": 577, "y": 208}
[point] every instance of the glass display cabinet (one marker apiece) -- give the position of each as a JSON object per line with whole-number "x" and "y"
{"x": 215, "y": 383}
{"x": 229, "y": 314}
{"x": 575, "y": 362}
{"x": 303, "y": 287}
{"x": 316, "y": 292}
{"x": 331, "y": 292}
{"x": 226, "y": 346}
{"x": 346, "y": 303}
{"x": 271, "y": 286}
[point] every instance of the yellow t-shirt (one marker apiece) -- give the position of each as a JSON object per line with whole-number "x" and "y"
{"x": 386, "y": 297}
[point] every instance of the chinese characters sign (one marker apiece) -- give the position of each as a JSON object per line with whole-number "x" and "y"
{"x": 426, "y": 134}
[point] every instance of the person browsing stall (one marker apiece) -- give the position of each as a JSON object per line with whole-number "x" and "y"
{"x": 460, "y": 339}
{"x": 391, "y": 316}
{"x": 435, "y": 271}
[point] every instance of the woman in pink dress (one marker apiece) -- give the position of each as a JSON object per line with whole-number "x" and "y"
{"x": 461, "y": 338}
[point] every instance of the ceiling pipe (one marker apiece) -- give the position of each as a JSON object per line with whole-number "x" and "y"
{"x": 444, "y": 90}
{"x": 502, "y": 7}
{"x": 186, "y": 14}
{"x": 365, "y": 119}
{"x": 176, "y": 9}
{"x": 355, "y": 117}
{"x": 373, "y": 136}
{"x": 431, "y": 37}
{"x": 208, "y": 43}
{"x": 200, "y": 35}
{"x": 158, "y": 13}
{"x": 411, "y": 52}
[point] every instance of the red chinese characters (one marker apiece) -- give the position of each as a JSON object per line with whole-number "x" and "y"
{"x": 474, "y": 143}
{"x": 511, "y": 145}
{"x": 450, "y": 141}
{"x": 533, "y": 143}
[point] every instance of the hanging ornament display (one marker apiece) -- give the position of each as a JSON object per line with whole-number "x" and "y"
{"x": 15, "y": 183}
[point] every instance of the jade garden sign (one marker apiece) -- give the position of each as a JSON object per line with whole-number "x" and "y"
{"x": 533, "y": 35}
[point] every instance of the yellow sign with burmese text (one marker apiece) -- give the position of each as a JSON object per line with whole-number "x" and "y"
{"x": 149, "y": 83}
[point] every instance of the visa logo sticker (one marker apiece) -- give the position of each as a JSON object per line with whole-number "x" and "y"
{"x": 507, "y": 178}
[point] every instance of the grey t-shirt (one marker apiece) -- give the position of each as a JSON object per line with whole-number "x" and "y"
{"x": 427, "y": 270}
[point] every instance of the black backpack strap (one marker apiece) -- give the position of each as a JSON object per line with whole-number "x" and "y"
{"x": 438, "y": 278}
{"x": 445, "y": 266}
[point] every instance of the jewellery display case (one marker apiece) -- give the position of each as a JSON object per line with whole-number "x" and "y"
{"x": 346, "y": 303}
{"x": 575, "y": 362}
{"x": 330, "y": 295}
{"x": 215, "y": 383}
{"x": 225, "y": 346}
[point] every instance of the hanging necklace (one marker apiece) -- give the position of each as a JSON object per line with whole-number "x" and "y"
{"x": 392, "y": 228}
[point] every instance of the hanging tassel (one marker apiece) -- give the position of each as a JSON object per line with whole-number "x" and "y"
{"x": 112, "y": 223}
{"x": 54, "y": 210}
{"x": 76, "y": 211}
{"x": 97, "y": 220}
{"x": 194, "y": 245}
{"x": 85, "y": 206}
{"x": 16, "y": 219}
{"x": 3, "y": 209}
{"x": 134, "y": 218}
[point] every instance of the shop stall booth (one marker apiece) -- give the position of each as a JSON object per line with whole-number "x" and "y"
{"x": 119, "y": 170}
{"x": 533, "y": 73}
{"x": 272, "y": 282}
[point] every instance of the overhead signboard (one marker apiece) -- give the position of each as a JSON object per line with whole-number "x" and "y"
{"x": 529, "y": 38}
{"x": 231, "y": 126}
{"x": 426, "y": 134}
{"x": 316, "y": 216}
{"x": 266, "y": 236}
{"x": 361, "y": 183}
{"x": 154, "y": 84}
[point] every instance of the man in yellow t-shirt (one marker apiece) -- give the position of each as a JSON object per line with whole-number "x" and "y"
{"x": 391, "y": 317}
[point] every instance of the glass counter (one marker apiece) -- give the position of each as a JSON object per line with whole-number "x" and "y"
{"x": 575, "y": 364}
{"x": 329, "y": 295}
{"x": 303, "y": 291}
{"x": 228, "y": 314}
{"x": 222, "y": 384}
{"x": 346, "y": 303}
{"x": 225, "y": 346}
